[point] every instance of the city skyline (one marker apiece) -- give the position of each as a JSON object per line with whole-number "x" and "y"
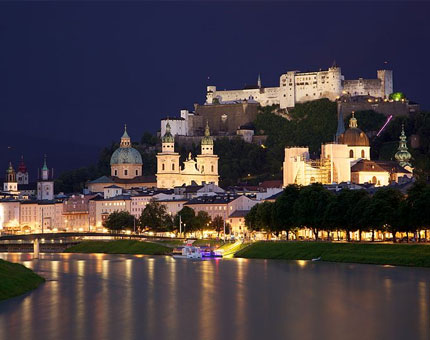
{"x": 138, "y": 70}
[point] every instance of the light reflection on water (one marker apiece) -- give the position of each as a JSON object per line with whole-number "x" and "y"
{"x": 133, "y": 297}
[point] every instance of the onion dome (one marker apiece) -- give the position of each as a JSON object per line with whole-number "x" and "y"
{"x": 125, "y": 154}
{"x": 10, "y": 169}
{"x": 168, "y": 138}
{"x": 22, "y": 168}
{"x": 402, "y": 155}
{"x": 353, "y": 136}
{"x": 10, "y": 173}
{"x": 207, "y": 139}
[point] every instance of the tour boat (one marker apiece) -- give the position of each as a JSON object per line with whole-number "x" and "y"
{"x": 187, "y": 252}
{"x": 207, "y": 252}
{"x": 192, "y": 252}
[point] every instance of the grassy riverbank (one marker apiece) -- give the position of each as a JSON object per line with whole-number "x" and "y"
{"x": 417, "y": 255}
{"x": 119, "y": 247}
{"x": 15, "y": 279}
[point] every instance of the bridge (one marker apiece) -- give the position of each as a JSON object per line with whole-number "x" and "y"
{"x": 58, "y": 242}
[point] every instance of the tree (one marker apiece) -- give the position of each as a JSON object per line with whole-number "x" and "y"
{"x": 218, "y": 224}
{"x": 333, "y": 215}
{"x": 187, "y": 216}
{"x": 250, "y": 218}
{"x": 357, "y": 214}
{"x": 388, "y": 201}
{"x": 119, "y": 220}
{"x": 155, "y": 217}
{"x": 311, "y": 206}
{"x": 265, "y": 217}
{"x": 419, "y": 206}
{"x": 202, "y": 220}
{"x": 284, "y": 217}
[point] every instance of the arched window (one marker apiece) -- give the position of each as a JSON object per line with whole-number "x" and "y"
{"x": 374, "y": 180}
{"x": 137, "y": 172}
{"x": 173, "y": 166}
{"x": 116, "y": 172}
{"x": 351, "y": 153}
{"x": 125, "y": 172}
{"x": 162, "y": 167}
{"x": 362, "y": 153}
{"x": 203, "y": 168}
{"x": 212, "y": 168}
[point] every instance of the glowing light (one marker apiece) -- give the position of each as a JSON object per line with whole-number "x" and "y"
{"x": 1, "y": 217}
{"x": 302, "y": 263}
{"x": 383, "y": 127}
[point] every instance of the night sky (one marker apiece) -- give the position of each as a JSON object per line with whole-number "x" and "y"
{"x": 71, "y": 74}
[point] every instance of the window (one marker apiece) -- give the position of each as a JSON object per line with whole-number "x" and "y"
{"x": 212, "y": 168}
{"x": 137, "y": 172}
{"x": 362, "y": 153}
{"x": 173, "y": 166}
{"x": 125, "y": 172}
{"x": 351, "y": 153}
{"x": 162, "y": 167}
{"x": 374, "y": 180}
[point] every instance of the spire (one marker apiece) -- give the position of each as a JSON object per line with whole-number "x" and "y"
{"x": 10, "y": 173}
{"x": 340, "y": 125}
{"x": 125, "y": 139}
{"x": 402, "y": 155}
{"x": 45, "y": 167}
{"x": 207, "y": 139}
{"x": 259, "y": 81}
{"x": 353, "y": 121}
{"x": 168, "y": 138}
{"x": 22, "y": 168}
{"x": 125, "y": 135}
{"x": 10, "y": 168}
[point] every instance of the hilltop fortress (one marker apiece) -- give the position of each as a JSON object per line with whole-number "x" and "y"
{"x": 298, "y": 87}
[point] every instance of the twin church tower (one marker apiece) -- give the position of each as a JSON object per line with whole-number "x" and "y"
{"x": 204, "y": 168}
{"x": 126, "y": 164}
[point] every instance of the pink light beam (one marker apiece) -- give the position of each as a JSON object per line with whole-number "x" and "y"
{"x": 383, "y": 127}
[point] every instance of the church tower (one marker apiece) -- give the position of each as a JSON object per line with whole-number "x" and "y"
{"x": 402, "y": 155}
{"x": 168, "y": 171}
{"x": 22, "y": 174}
{"x": 207, "y": 162}
{"x": 10, "y": 184}
{"x": 45, "y": 184}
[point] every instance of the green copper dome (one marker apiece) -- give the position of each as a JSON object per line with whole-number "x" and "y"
{"x": 207, "y": 139}
{"x": 168, "y": 138}
{"x": 402, "y": 155}
{"x": 125, "y": 154}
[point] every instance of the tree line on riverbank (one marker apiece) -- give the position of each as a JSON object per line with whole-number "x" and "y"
{"x": 316, "y": 208}
{"x": 155, "y": 218}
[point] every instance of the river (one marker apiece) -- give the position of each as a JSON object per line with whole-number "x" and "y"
{"x": 99, "y": 296}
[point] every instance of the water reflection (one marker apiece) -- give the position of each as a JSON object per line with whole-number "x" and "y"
{"x": 131, "y": 297}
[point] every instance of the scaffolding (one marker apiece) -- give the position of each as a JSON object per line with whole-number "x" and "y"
{"x": 315, "y": 171}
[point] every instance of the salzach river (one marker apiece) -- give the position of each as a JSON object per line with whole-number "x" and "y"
{"x": 141, "y": 297}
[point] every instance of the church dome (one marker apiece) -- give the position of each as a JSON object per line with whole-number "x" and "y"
{"x": 354, "y": 136}
{"x": 125, "y": 154}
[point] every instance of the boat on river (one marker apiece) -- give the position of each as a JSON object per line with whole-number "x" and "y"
{"x": 193, "y": 252}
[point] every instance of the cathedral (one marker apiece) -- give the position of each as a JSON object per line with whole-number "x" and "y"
{"x": 126, "y": 169}
{"x": 202, "y": 169}
{"x": 347, "y": 160}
